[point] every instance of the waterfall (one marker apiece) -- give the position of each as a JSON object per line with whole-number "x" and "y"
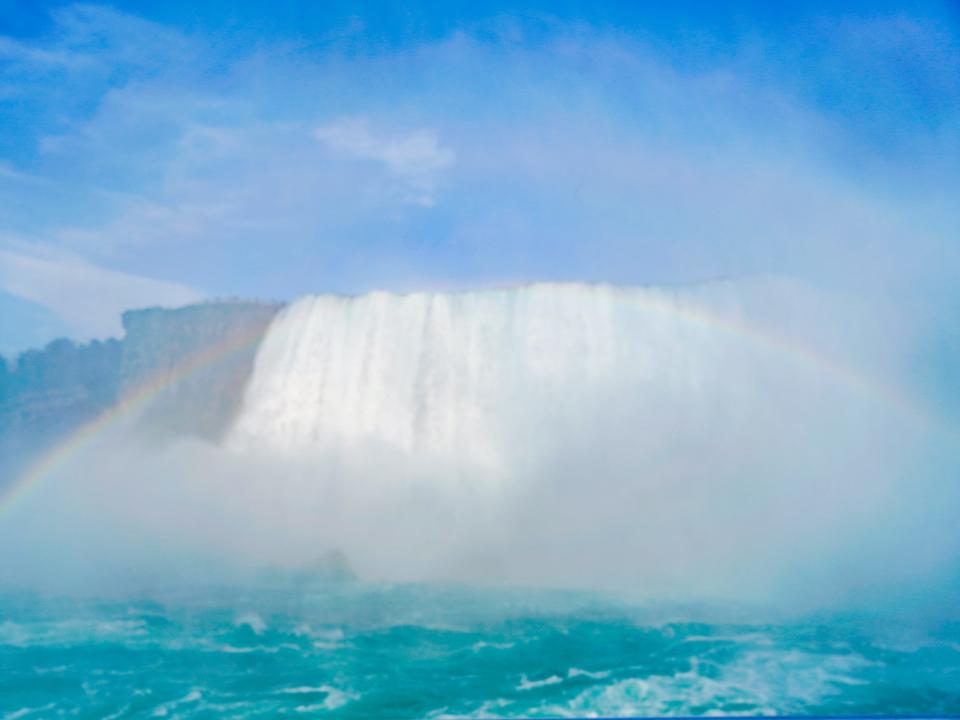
{"x": 484, "y": 383}
{"x": 715, "y": 440}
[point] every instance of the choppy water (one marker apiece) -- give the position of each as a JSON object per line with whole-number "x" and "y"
{"x": 423, "y": 652}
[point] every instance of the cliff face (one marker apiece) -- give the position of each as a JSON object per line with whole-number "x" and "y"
{"x": 193, "y": 362}
{"x": 196, "y": 361}
{"x": 48, "y": 392}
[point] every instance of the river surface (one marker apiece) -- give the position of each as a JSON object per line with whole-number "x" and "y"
{"x": 356, "y": 650}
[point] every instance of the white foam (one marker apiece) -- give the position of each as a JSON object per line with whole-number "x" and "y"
{"x": 487, "y": 710}
{"x": 526, "y": 684}
{"x": 27, "y": 711}
{"x": 577, "y": 672}
{"x": 335, "y": 698}
{"x": 483, "y": 645}
{"x": 759, "y": 683}
{"x": 68, "y": 631}
{"x": 164, "y": 709}
{"x": 251, "y": 620}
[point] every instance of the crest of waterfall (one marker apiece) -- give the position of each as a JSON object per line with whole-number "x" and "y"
{"x": 483, "y": 384}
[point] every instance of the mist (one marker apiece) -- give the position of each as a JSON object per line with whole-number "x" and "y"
{"x": 743, "y": 442}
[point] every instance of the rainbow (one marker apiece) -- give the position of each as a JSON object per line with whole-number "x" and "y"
{"x": 128, "y": 406}
{"x": 140, "y": 397}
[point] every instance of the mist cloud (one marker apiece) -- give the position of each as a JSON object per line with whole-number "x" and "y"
{"x": 88, "y": 298}
{"x": 414, "y": 158}
{"x": 667, "y": 459}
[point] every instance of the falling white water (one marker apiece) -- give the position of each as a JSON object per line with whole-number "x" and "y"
{"x": 481, "y": 384}
{"x": 670, "y": 440}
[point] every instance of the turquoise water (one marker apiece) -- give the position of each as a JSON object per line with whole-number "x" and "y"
{"x": 362, "y": 651}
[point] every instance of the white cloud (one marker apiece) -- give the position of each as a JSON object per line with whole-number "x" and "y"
{"x": 140, "y": 221}
{"x": 9, "y": 173}
{"x": 15, "y": 51}
{"x": 88, "y": 297}
{"x": 593, "y": 157}
{"x": 416, "y": 159}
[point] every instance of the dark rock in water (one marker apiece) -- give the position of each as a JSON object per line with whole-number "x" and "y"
{"x": 329, "y": 568}
{"x": 332, "y": 566}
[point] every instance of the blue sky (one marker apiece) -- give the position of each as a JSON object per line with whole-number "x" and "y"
{"x": 165, "y": 152}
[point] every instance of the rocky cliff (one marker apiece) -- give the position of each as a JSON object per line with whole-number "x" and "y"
{"x": 193, "y": 362}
